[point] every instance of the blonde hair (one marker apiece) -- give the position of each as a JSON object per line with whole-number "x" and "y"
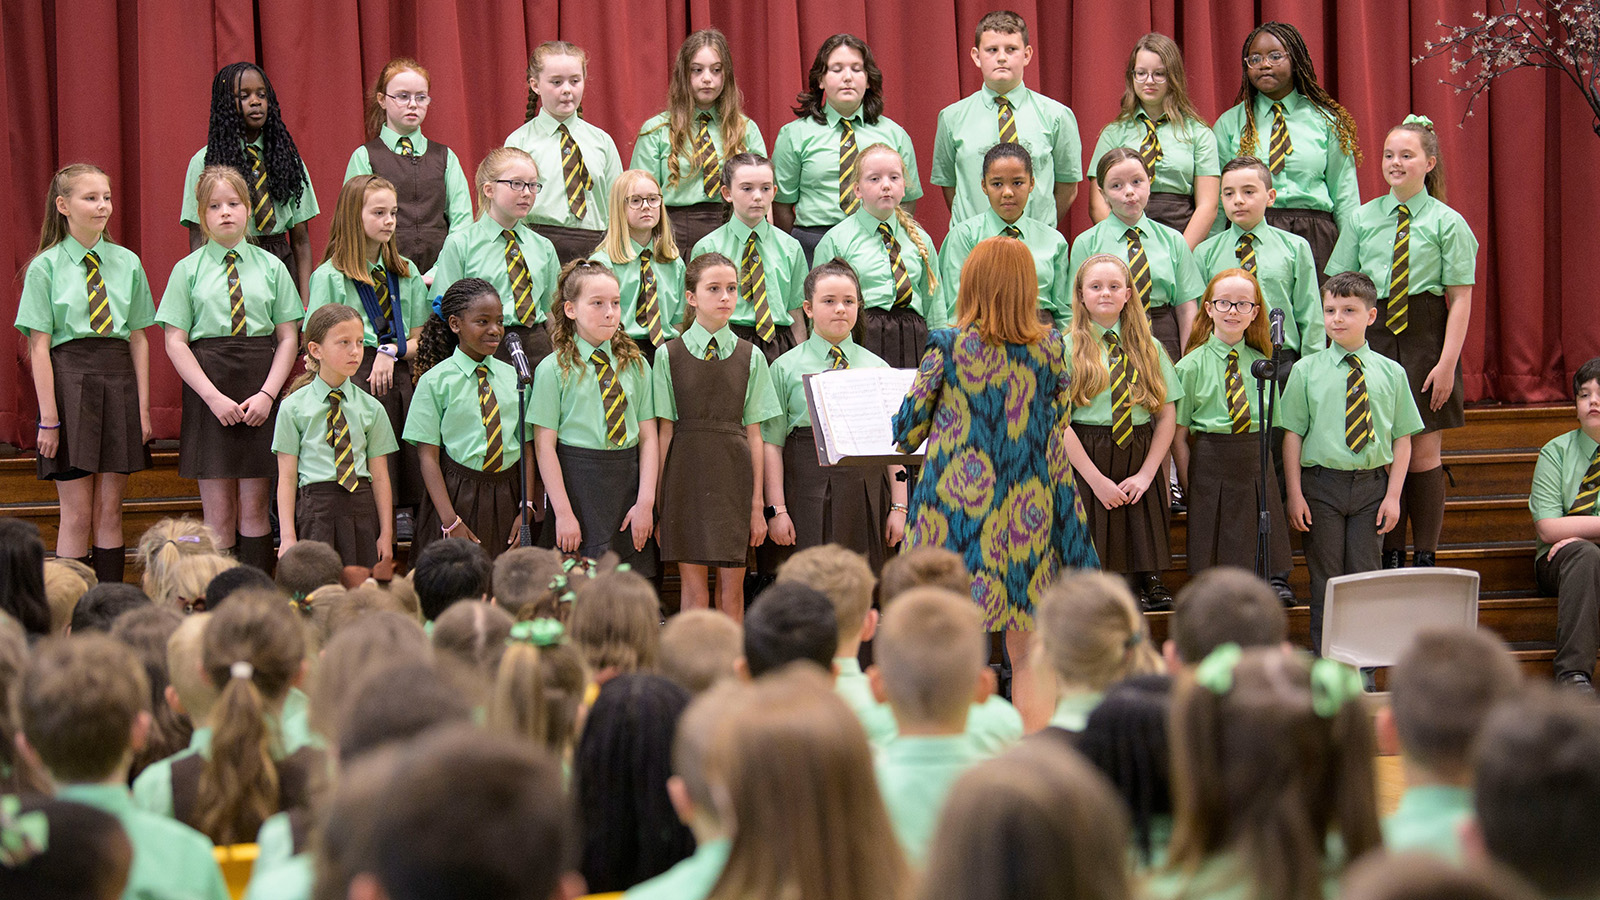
{"x": 185, "y": 668}
{"x": 918, "y": 236}
{"x": 1092, "y": 632}
{"x": 536, "y": 694}
{"x": 929, "y": 652}
{"x": 162, "y": 545}
{"x": 189, "y": 577}
{"x": 1000, "y": 293}
{"x": 64, "y": 586}
{"x": 840, "y": 574}
{"x": 1089, "y": 371}
{"x": 615, "y": 623}
{"x": 494, "y": 163}
{"x": 1256, "y": 334}
{"x": 616, "y": 244}
{"x": 536, "y": 65}
{"x": 210, "y": 177}
{"x": 699, "y": 647}
{"x": 347, "y": 236}
{"x": 55, "y": 230}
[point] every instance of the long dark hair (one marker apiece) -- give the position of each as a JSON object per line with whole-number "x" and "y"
{"x": 1305, "y": 81}
{"x": 22, "y": 591}
{"x": 810, "y": 102}
{"x": 286, "y": 177}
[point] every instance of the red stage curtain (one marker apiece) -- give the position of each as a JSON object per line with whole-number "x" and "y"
{"x": 127, "y": 85}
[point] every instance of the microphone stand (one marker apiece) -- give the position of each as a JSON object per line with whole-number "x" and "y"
{"x": 524, "y": 381}
{"x": 1266, "y": 372}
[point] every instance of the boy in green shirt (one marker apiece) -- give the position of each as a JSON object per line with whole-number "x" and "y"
{"x": 844, "y": 578}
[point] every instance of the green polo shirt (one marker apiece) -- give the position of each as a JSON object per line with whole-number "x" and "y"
{"x": 805, "y": 159}
{"x": 914, "y": 775}
{"x": 652, "y": 152}
{"x": 1556, "y": 477}
{"x": 760, "y": 402}
{"x": 569, "y": 400}
{"x": 1313, "y": 406}
{"x": 1202, "y": 373}
{"x": 291, "y": 879}
{"x": 329, "y": 285}
{"x": 170, "y": 859}
{"x": 1317, "y": 175}
{"x": 1429, "y": 819}
{"x": 669, "y": 289}
{"x": 197, "y": 299}
{"x": 1174, "y": 277}
{"x": 852, "y": 685}
{"x": 152, "y": 789}
{"x": 691, "y": 879}
{"x": 970, "y": 126}
{"x": 994, "y": 724}
{"x": 1072, "y": 711}
{"x": 1051, "y": 260}
{"x": 1287, "y": 275}
{"x": 1098, "y": 412}
{"x": 289, "y": 213}
{"x": 788, "y": 381}
{"x": 856, "y": 241}
{"x": 457, "y": 190}
{"x": 1442, "y": 250}
{"x": 274, "y": 841}
{"x": 445, "y": 412}
{"x": 479, "y": 251}
{"x": 55, "y": 292}
{"x": 783, "y": 263}
{"x": 1222, "y": 876}
{"x": 302, "y": 430}
{"x": 1188, "y": 150}
{"x": 538, "y": 136}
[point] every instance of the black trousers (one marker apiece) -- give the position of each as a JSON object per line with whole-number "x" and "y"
{"x": 1344, "y": 531}
{"x": 1572, "y": 576}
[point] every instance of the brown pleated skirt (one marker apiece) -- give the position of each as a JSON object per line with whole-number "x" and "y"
{"x": 829, "y": 504}
{"x": 1417, "y": 350}
{"x": 898, "y": 336}
{"x": 405, "y": 471}
{"x": 1164, "y": 328}
{"x": 1132, "y": 538}
{"x": 782, "y": 340}
{"x": 1224, "y": 494}
{"x": 278, "y": 245}
{"x": 691, "y": 223}
{"x": 485, "y": 501}
{"x": 705, "y": 491}
{"x": 97, "y": 400}
{"x": 1317, "y": 227}
{"x": 345, "y": 520}
{"x": 237, "y": 366}
{"x": 570, "y": 243}
{"x": 535, "y": 343}
{"x": 1171, "y": 210}
{"x": 602, "y": 485}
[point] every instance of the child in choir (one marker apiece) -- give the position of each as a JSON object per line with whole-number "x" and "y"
{"x": 331, "y": 438}
{"x": 1279, "y": 260}
{"x": 893, "y": 258}
{"x": 703, "y": 126}
{"x": 247, "y": 134}
{"x": 1124, "y": 397}
{"x": 1218, "y": 442}
{"x": 1348, "y": 417}
{"x": 432, "y": 187}
{"x": 1003, "y": 111}
{"x": 464, "y": 422}
{"x": 581, "y": 159}
{"x": 1567, "y": 560}
{"x": 231, "y": 314}
{"x": 1008, "y": 183}
{"x": 1166, "y": 282}
{"x": 646, "y": 260}
{"x": 498, "y": 247}
{"x": 813, "y": 505}
{"x": 1159, "y": 121}
{"x": 711, "y": 393}
{"x": 594, "y": 425}
{"x": 816, "y": 157}
{"x": 84, "y": 307}
{"x": 1285, "y": 117}
{"x": 1426, "y": 254}
{"x": 772, "y": 265}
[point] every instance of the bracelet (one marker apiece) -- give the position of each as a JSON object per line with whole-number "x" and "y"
{"x": 264, "y": 391}
{"x": 44, "y": 427}
{"x": 452, "y": 527}
{"x": 900, "y": 507}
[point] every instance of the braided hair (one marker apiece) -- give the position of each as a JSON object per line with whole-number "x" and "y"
{"x": 225, "y": 138}
{"x": 1305, "y": 81}
{"x": 437, "y": 341}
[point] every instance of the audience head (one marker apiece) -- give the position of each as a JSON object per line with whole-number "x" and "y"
{"x": 1225, "y": 605}
{"x": 788, "y": 622}
{"x": 616, "y": 623}
{"x": 924, "y": 567}
{"x": 103, "y": 603}
{"x": 1424, "y": 876}
{"x": 700, "y": 647}
{"x": 931, "y": 659}
{"x": 23, "y": 777}
{"x": 396, "y": 703}
{"x": 471, "y": 635}
{"x": 84, "y": 707}
{"x": 372, "y": 642}
{"x": 147, "y": 629}
{"x": 190, "y": 692}
{"x": 1126, "y": 739}
{"x": 233, "y": 579}
{"x": 689, "y": 787}
{"x": 843, "y": 576}
{"x": 65, "y": 583}
{"x": 538, "y": 686}
{"x": 448, "y": 570}
{"x": 522, "y": 583}
{"x": 1092, "y": 632}
{"x": 160, "y": 549}
{"x": 1441, "y": 691}
{"x": 22, "y": 591}
{"x": 83, "y": 853}
{"x": 306, "y": 566}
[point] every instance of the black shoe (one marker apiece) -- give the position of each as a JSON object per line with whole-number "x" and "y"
{"x": 1285, "y": 592}
{"x": 404, "y": 526}
{"x": 1394, "y": 559}
{"x": 1153, "y": 595}
{"x": 1423, "y": 559}
{"x": 1576, "y": 681}
{"x": 1178, "y": 504}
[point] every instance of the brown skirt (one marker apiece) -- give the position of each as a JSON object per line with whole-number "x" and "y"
{"x": 97, "y": 402}
{"x": 237, "y": 366}
{"x": 1417, "y": 350}
{"x": 602, "y": 485}
{"x": 570, "y": 243}
{"x": 1164, "y": 328}
{"x": 485, "y": 501}
{"x": 345, "y": 520}
{"x": 691, "y": 223}
{"x": 278, "y": 245}
{"x": 782, "y": 340}
{"x": 705, "y": 490}
{"x": 829, "y": 504}
{"x": 535, "y": 343}
{"x": 898, "y": 336}
{"x": 1317, "y": 227}
{"x": 1171, "y": 210}
{"x": 405, "y": 471}
{"x": 1224, "y": 494}
{"x": 1132, "y": 538}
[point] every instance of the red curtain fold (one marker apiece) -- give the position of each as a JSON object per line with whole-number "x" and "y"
{"x": 128, "y": 86}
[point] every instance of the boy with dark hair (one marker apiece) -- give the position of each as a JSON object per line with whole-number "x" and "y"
{"x": 1222, "y": 605}
{"x": 789, "y": 622}
{"x": 449, "y": 570}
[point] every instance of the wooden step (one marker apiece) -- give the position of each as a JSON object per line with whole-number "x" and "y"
{"x": 1489, "y": 473}
{"x": 1505, "y": 567}
{"x": 1526, "y": 427}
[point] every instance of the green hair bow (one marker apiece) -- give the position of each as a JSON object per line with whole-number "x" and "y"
{"x": 23, "y": 836}
{"x": 1415, "y": 119}
{"x": 1333, "y": 684}
{"x": 538, "y": 632}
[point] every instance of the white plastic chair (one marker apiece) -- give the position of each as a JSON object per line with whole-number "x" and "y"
{"x": 1370, "y": 618}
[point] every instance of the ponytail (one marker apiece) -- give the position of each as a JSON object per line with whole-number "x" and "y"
{"x": 517, "y": 702}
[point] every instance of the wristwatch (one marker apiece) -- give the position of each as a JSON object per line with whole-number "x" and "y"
{"x": 389, "y": 350}
{"x": 772, "y": 512}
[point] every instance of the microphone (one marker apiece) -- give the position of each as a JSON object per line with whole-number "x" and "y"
{"x": 519, "y": 359}
{"x": 1274, "y": 318}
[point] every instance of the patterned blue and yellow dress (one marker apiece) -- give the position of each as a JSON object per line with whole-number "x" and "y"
{"x": 996, "y": 487}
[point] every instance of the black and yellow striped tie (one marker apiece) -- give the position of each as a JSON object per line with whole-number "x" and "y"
{"x": 1399, "y": 315}
{"x": 1246, "y": 253}
{"x": 611, "y": 398}
{"x": 848, "y": 201}
{"x": 574, "y": 173}
{"x": 836, "y": 358}
{"x": 1121, "y": 391}
{"x": 261, "y": 206}
{"x": 404, "y": 146}
{"x": 705, "y": 157}
{"x": 344, "y": 457}
{"x": 1588, "y": 489}
{"x": 521, "y": 280}
{"x": 647, "y": 310}
{"x": 1138, "y": 266}
{"x": 1012, "y": 231}
{"x": 380, "y": 289}
{"x": 1280, "y": 147}
{"x": 711, "y": 349}
{"x": 1008, "y": 120}
{"x": 1238, "y": 406}
{"x": 1357, "y": 407}
{"x": 1150, "y": 147}
{"x": 753, "y": 288}
{"x": 230, "y": 261}
{"x": 897, "y": 267}
{"x": 99, "y": 300}
{"x": 489, "y": 410}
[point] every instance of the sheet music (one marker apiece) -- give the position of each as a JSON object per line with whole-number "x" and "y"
{"x": 856, "y": 407}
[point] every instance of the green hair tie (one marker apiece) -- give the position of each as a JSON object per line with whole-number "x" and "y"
{"x": 1215, "y": 672}
{"x": 23, "y": 836}
{"x": 1333, "y": 684}
{"x": 538, "y": 632}
{"x": 1415, "y": 119}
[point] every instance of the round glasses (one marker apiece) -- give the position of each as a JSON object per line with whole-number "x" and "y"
{"x": 1244, "y": 306}
{"x": 1275, "y": 57}
{"x": 649, "y": 201}
{"x": 1159, "y": 77}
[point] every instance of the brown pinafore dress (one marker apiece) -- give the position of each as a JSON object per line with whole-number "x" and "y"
{"x": 707, "y": 480}
{"x": 422, "y": 225}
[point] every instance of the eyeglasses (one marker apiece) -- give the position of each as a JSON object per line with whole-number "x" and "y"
{"x": 1159, "y": 77}
{"x": 1276, "y": 57}
{"x": 649, "y": 201}
{"x": 519, "y": 185}
{"x": 406, "y": 98}
{"x": 1244, "y": 306}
